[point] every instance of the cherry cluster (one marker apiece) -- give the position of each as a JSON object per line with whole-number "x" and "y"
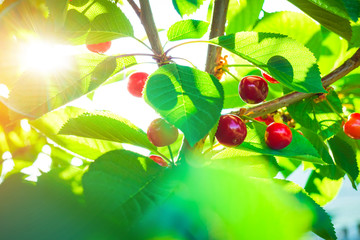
{"x": 232, "y": 130}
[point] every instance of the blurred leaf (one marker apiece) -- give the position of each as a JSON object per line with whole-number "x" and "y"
{"x": 330, "y": 51}
{"x": 322, "y": 189}
{"x": 57, "y": 11}
{"x": 274, "y": 53}
{"x": 96, "y": 21}
{"x": 345, "y": 157}
{"x": 318, "y": 117}
{"x": 355, "y": 36}
{"x": 188, "y": 98}
{"x": 106, "y": 126}
{"x": 186, "y": 7}
{"x": 242, "y": 15}
{"x": 224, "y": 200}
{"x": 294, "y": 25}
{"x": 27, "y": 209}
{"x": 37, "y": 93}
{"x": 299, "y": 148}
{"x": 187, "y": 29}
{"x": 322, "y": 224}
{"x": 124, "y": 185}
{"x": 245, "y": 162}
{"x": 51, "y": 123}
{"x": 331, "y": 16}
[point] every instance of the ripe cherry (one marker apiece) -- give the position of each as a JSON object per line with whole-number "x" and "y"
{"x": 278, "y": 136}
{"x": 136, "y": 83}
{"x": 231, "y": 130}
{"x": 269, "y": 78}
{"x": 253, "y": 89}
{"x": 99, "y": 47}
{"x": 352, "y": 126}
{"x": 268, "y": 119}
{"x": 159, "y": 160}
{"x": 161, "y": 133}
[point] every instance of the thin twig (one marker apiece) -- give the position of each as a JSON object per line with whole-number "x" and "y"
{"x": 135, "y": 7}
{"x": 147, "y": 21}
{"x": 217, "y": 29}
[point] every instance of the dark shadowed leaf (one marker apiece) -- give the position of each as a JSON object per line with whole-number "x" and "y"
{"x": 188, "y": 98}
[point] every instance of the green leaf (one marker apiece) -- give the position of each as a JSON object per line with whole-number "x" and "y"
{"x": 345, "y": 157}
{"x": 331, "y": 17}
{"x": 330, "y": 51}
{"x": 353, "y": 9}
{"x": 124, "y": 185}
{"x": 96, "y": 21}
{"x": 318, "y": 117}
{"x": 36, "y": 93}
{"x": 299, "y": 148}
{"x": 231, "y": 92}
{"x": 275, "y": 54}
{"x": 187, "y": 29}
{"x": 51, "y": 123}
{"x": 322, "y": 225}
{"x": 186, "y": 7}
{"x": 319, "y": 144}
{"x": 322, "y": 189}
{"x": 106, "y": 126}
{"x": 242, "y": 15}
{"x": 188, "y": 98}
{"x": 293, "y": 25}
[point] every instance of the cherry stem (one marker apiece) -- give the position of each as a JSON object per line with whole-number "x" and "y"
{"x": 134, "y": 54}
{"x": 212, "y": 147}
{"x": 254, "y": 120}
{"x": 163, "y": 156}
{"x": 334, "y": 110}
{"x": 171, "y": 154}
{"x": 184, "y": 43}
{"x": 240, "y": 65}
{"x": 144, "y": 44}
{"x": 228, "y": 72}
{"x": 184, "y": 59}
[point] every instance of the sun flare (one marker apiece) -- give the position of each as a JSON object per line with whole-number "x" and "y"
{"x": 44, "y": 56}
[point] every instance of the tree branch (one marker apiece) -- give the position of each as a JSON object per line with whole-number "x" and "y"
{"x": 217, "y": 29}
{"x": 135, "y": 7}
{"x": 147, "y": 21}
{"x": 286, "y": 100}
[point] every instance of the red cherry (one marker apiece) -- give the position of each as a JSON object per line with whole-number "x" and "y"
{"x": 253, "y": 89}
{"x": 278, "y": 135}
{"x": 269, "y": 78}
{"x": 352, "y": 126}
{"x": 136, "y": 83}
{"x": 161, "y": 133}
{"x": 231, "y": 130}
{"x": 267, "y": 120}
{"x": 99, "y": 47}
{"x": 159, "y": 160}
